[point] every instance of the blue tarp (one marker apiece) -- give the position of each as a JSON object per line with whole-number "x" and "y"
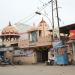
{"x": 62, "y": 59}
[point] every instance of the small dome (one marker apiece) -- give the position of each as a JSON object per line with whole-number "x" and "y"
{"x": 9, "y": 30}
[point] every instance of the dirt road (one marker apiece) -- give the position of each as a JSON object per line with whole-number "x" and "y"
{"x": 37, "y": 70}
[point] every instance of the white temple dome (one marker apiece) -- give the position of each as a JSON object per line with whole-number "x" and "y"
{"x": 9, "y": 30}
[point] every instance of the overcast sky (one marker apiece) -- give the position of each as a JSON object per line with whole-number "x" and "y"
{"x": 15, "y": 10}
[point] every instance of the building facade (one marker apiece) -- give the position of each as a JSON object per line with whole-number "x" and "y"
{"x": 30, "y": 49}
{"x": 9, "y": 37}
{"x": 32, "y": 46}
{"x": 38, "y": 44}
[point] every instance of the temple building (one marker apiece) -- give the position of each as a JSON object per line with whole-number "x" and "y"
{"x": 36, "y": 47}
{"x": 32, "y": 46}
{"x": 9, "y": 38}
{"x": 9, "y": 35}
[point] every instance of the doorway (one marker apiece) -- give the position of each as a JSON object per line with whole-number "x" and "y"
{"x": 42, "y": 55}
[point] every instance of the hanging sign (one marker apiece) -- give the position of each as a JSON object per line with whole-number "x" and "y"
{"x": 72, "y": 34}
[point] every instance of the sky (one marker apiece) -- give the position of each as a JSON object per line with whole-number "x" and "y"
{"x": 23, "y": 11}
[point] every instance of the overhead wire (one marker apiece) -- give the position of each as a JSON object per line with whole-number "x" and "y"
{"x": 28, "y": 18}
{"x": 25, "y": 18}
{"x": 31, "y": 16}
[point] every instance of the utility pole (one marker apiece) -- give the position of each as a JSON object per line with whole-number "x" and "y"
{"x": 55, "y": 32}
{"x": 52, "y": 19}
{"x": 52, "y": 15}
{"x": 57, "y": 18}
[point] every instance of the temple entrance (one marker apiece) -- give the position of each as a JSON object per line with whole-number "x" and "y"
{"x": 42, "y": 55}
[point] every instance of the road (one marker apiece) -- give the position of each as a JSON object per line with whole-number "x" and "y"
{"x": 37, "y": 70}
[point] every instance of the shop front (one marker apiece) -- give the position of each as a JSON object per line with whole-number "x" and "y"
{"x": 72, "y": 42}
{"x": 6, "y": 53}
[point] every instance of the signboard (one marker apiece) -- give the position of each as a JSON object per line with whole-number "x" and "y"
{"x": 57, "y": 44}
{"x": 23, "y": 52}
{"x": 72, "y": 34}
{"x": 6, "y": 49}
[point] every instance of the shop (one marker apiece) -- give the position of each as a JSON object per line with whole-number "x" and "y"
{"x": 71, "y": 44}
{"x": 6, "y": 53}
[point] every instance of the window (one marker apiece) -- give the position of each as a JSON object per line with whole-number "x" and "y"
{"x": 34, "y": 36}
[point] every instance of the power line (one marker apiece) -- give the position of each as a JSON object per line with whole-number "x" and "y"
{"x": 26, "y": 18}
{"x": 33, "y": 14}
{"x": 45, "y": 5}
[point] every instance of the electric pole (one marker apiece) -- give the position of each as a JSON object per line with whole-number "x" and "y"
{"x": 57, "y": 18}
{"x": 52, "y": 19}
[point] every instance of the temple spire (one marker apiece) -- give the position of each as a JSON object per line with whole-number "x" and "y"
{"x": 42, "y": 19}
{"x": 9, "y": 23}
{"x": 34, "y": 24}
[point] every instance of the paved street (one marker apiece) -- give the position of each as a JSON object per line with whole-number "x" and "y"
{"x": 37, "y": 70}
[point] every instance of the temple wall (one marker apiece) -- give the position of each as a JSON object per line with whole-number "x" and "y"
{"x": 26, "y": 59}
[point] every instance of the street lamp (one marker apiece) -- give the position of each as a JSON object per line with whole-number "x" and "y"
{"x": 38, "y": 13}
